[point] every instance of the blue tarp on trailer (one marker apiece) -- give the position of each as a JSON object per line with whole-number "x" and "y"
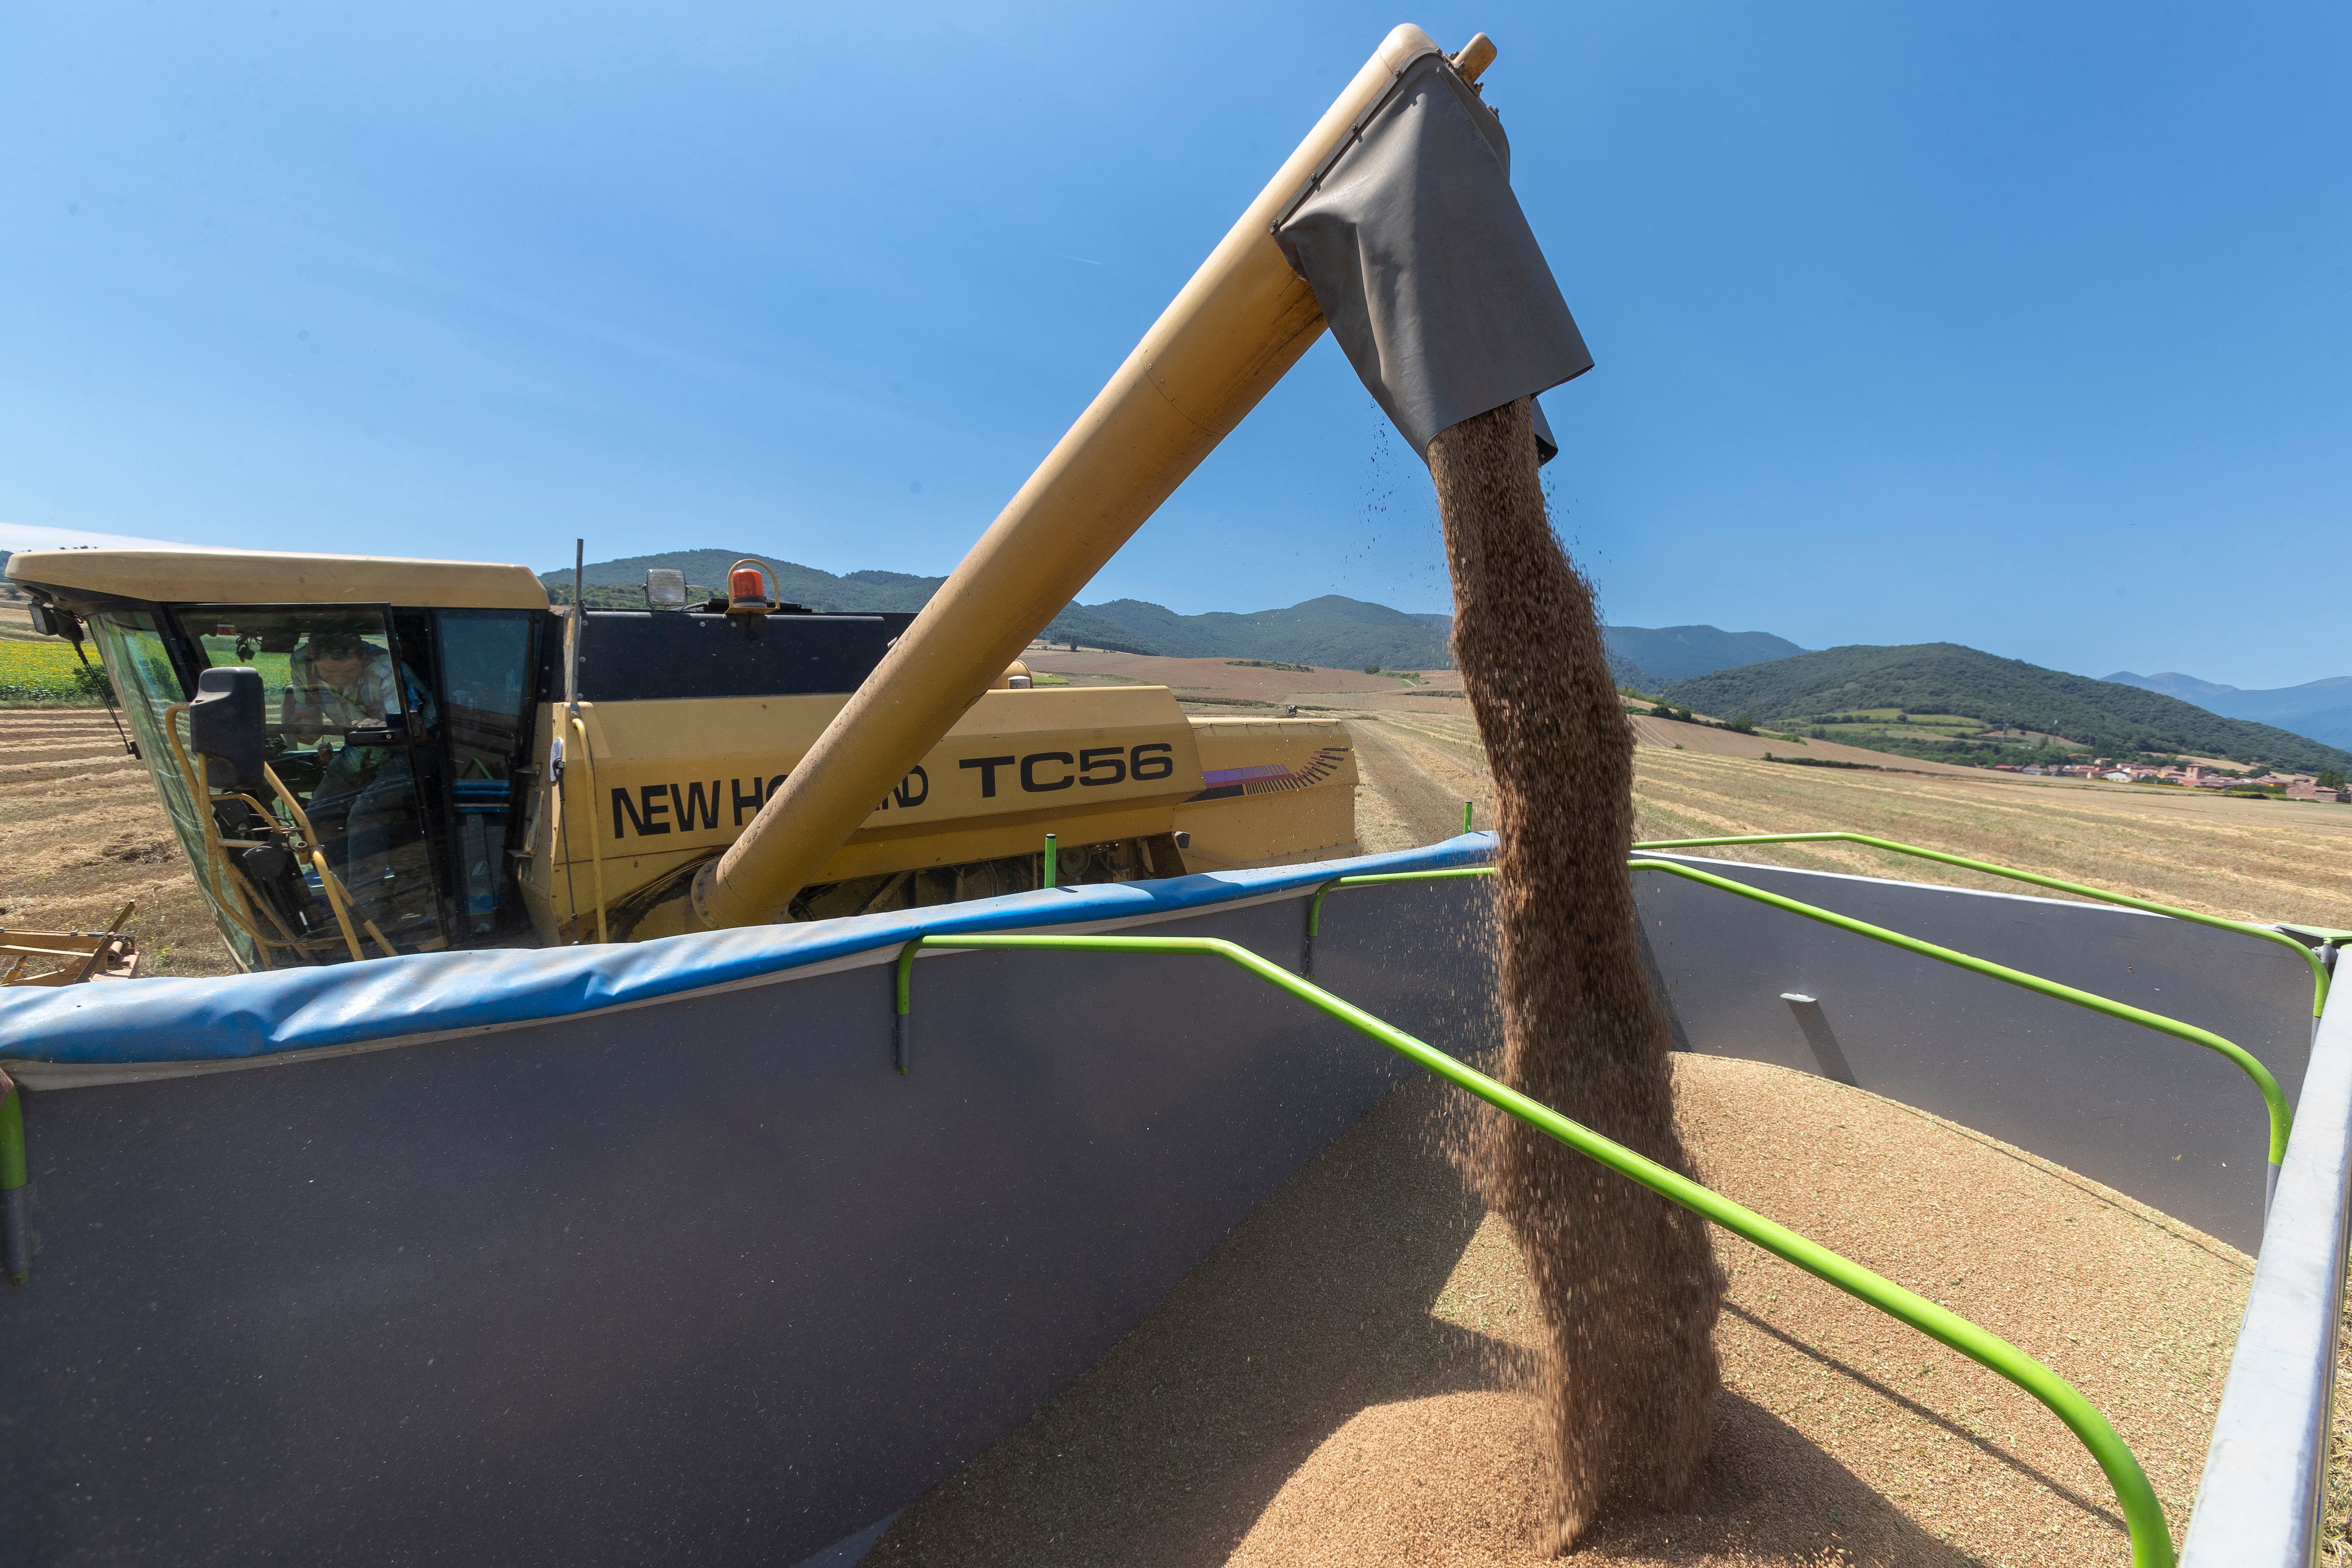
{"x": 301, "y": 1009}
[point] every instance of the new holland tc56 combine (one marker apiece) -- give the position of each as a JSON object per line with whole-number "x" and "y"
{"x": 367, "y": 757}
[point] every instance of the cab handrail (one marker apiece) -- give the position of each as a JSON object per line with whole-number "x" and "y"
{"x": 339, "y": 898}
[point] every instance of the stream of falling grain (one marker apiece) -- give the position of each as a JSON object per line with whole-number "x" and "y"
{"x": 1628, "y": 1282}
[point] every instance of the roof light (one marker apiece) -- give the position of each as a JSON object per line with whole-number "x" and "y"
{"x": 665, "y": 588}
{"x": 747, "y": 588}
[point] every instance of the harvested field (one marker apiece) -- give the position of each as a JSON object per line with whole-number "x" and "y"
{"x": 1670, "y": 735}
{"x": 63, "y": 778}
{"x": 1336, "y": 1383}
{"x": 1214, "y": 685}
{"x": 16, "y": 621}
{"x": 81, "y": 832}
{"x": 1409, "y": 793}
{"x": 2248, "y": 859}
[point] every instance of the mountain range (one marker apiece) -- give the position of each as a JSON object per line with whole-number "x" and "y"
{"x": 1945, "y": 677}
{"x": 1758, "y": 674}
{"x": 2319, "y": 709}
{"x": 1725, "y": 673}
{"x": 1656, "y": 654}
{"x": 1333, "y": 631}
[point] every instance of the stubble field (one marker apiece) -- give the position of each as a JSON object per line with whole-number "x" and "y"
{"x": 2248, "y": 859}
{"x": 82, "y": 834}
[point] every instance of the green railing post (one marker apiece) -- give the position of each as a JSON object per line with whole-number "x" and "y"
{"x": 1049, "y": 859}
{"x": 2317, "y": 965}
{"x": 15, "y": 1207}
{"x": 2151, "y": 1537}
{"x": 1315, "y": 905}
{"x": 2282, "y": 1117}
{"x": 1465, "y": 815}
{"x": 902, "y": 983}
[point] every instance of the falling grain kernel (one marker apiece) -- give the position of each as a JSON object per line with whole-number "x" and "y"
{"x": 1628, "y": 1282}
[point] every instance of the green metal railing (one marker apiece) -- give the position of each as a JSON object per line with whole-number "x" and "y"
{"x": 1315, "y": 910}
{"x": 1315, "y": 905}
{"x": 2245, "y": 928}
{"x": 2282, "y": 1117}
{"x": 2151, "y": 1537}
{"x": 16, "y": 1214}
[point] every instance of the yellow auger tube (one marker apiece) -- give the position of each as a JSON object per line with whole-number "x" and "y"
{"x": 1237, "y": 327}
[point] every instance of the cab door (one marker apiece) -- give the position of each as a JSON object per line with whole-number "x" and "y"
{"x": 489, "y": 666}
{"x": 353, "y": 733}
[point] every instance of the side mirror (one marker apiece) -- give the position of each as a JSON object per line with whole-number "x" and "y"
{"x": 227, "y": 724}
{"x": 52, "y": 622}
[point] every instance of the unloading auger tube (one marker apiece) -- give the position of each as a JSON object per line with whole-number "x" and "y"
{"x": 1235, "y": 329}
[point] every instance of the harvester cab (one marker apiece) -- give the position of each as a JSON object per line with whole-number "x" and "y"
{"x": 363, "y": 757}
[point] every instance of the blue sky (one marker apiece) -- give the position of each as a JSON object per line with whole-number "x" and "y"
{"x": 2026, "y": 327}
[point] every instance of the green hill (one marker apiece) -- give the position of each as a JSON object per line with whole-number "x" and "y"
{"x": 1629, "y": 674}
{"x": 1946, "y": 679}
{"x": 1679, "y": 653}
{"x": 1334, "y": 632}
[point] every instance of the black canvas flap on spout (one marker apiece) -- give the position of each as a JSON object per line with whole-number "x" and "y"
{"x": 1425, "y": 266}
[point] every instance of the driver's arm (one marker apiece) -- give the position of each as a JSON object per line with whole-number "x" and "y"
{"x": 302, "y": 721}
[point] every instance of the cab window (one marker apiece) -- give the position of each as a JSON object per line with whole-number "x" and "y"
{"x": 352, "y": 719}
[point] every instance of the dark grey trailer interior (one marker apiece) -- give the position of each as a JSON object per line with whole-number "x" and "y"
{"x": 704, "y": 1277}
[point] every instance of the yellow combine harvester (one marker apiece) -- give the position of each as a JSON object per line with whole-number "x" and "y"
{"x": 400, "y": 756}
{"x": 403, "y": 756}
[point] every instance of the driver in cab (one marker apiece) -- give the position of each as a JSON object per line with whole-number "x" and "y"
{"x": 363, "y": 804}
{"x": 338, "y": 680}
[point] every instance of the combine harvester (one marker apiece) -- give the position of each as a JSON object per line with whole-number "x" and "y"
{"x": 476, "y": 1225}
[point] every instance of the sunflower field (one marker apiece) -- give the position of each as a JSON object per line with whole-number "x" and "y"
{"x": 48, "y": 675}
